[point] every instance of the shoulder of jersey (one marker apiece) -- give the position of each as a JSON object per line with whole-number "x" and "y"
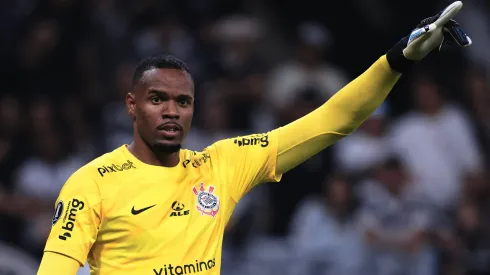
{"x": 104, "y": 165}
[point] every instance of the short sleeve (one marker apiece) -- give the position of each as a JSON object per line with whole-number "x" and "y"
{"x": 76, "y": 218}
{"x": 246, "y": 161}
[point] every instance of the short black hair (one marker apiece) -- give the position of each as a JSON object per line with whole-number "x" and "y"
{"x": 161, "y": 61}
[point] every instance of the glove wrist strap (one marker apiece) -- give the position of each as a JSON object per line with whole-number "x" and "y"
{"x": 397, "y": 60}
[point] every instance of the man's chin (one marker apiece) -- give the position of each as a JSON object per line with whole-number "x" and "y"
{"x": 166, "y": 147}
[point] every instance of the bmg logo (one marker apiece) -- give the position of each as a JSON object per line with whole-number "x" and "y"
{"x": 262, "y": 140}
{"x": 70, "y": 217}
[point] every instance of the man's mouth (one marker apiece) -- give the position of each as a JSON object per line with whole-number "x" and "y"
{"x": 169, "y": 129}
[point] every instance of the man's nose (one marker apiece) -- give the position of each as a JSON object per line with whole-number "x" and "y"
{"x": 171, "y": 110}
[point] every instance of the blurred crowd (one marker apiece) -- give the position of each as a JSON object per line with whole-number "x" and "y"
{"x": 407, "y": 194}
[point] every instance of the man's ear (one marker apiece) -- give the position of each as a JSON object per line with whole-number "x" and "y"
{"x": 131, "y": 105}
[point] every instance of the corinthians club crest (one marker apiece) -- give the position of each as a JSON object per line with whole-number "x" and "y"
{"x": 207, "y": 202}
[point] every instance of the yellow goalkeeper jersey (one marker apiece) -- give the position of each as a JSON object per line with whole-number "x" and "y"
{"x": 133, "y": 218}
{"x": 127, "y": 217}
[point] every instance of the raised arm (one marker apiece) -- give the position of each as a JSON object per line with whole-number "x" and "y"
{"x": 352, "y": 105}
{"x": 249, "y": 160}
{"x": 335, "y": 119}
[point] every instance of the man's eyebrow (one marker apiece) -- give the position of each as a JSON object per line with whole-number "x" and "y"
{"x": 186, "y": 96}
{"x": 160, "y": 92}
{"x": 156, "y": 91}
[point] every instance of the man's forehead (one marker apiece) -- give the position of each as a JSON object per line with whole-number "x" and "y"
{"x": 167, "y": 78}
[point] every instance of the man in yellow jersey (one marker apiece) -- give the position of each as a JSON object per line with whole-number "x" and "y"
{"x": 152, "y": 208}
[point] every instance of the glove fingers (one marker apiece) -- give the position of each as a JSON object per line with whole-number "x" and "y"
{"x": 429, "y": 20}
{"x": 448, "y": 13}
{"x": 455, "y": 33}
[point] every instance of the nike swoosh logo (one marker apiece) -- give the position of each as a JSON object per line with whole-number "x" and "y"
{"x": 136, "y": 212}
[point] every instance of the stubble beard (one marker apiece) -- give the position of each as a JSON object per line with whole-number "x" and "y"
{"x": 161, "y": 148}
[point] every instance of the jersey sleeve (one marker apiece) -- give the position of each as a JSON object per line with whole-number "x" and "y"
{"x": 337, "y": 118}
{"x": 76, "y": 218}
{"x": 57, "y": 264}
{"x": 246, "y": 161}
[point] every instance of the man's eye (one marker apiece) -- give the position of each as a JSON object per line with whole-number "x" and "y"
{"x": 183, "y": 102}
{"x": 156, "y": 99}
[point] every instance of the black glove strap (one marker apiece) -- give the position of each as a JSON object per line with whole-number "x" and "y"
{"x": 397, "y": 60}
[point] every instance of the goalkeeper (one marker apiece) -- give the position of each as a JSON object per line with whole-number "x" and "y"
{"x": 151, "y": 207}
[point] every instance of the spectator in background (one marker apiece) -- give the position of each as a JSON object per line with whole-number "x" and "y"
{"x": 471, "y": 253}
{"x": 366, "y": 147}
{"x": 437, "y": 143}
{"x": 78, "y": 129}
{"x": 309, "y": 68}
{"x": 164, "y": 34}
{"x": 324, "y": 231}
{"x": 236, "y": 37}
{"x": 115, "y": 122}
{"x": 396, "y": 220}
{"x": 41, "y": 177}
{"x": 213, "y": 125}
{"x": 241, "y": 66}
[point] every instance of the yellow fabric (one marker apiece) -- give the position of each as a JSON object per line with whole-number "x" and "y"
{"x": 57, "y": 264}
{"x": 190, "y": 205}
{"x": 100, "y": 214}
{"x": 335, "y": 119}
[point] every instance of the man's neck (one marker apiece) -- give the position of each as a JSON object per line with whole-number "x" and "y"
{"x": 146, "y": 155}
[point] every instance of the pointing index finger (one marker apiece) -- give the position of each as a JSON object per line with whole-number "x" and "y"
{"x": 448, "y": 13}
